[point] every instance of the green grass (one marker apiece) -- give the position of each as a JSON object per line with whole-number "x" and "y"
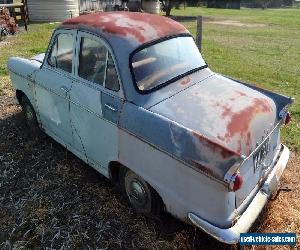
{"x": 267, "y": 56}
{"x": 25, "y": 44}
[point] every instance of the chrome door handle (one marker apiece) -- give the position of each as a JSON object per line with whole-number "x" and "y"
{"x": 64, "y": 88}
{"x": 111, "y": 108}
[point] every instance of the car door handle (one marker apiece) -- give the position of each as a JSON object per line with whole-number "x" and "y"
{"x": 64, "y": 88}
{"x": 111, "y": 107}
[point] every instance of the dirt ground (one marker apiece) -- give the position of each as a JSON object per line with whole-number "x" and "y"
{"x": 51, "y": 199}
{"x": 237, "y": 23}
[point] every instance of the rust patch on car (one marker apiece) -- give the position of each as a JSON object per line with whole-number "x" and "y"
{"x": 235, "y": 97}
{"x": 202, "y": 168}
{"x": 140, "y": 26}
{"x": 215, "y": 147}
{"x": 240, "y": 93}
{"x": 240, "y": 122}
{"x": 185, "y": 81}
{"x": 235, "y": 125}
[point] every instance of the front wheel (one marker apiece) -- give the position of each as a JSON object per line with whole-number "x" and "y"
{"x": 141, "y": 195}
{"x": 29, "y": 115}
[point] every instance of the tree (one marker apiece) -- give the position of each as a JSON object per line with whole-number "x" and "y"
{"x": 224, "y": 4}
{"x": 168, "y": 5}
{"x": 264, "y": 4}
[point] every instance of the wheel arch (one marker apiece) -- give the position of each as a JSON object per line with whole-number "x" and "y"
{"x": 19, "y": 95}
{"x": 114, "y": 170}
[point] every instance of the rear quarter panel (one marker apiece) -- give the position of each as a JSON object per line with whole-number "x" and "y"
{"x": 182, "y": 188}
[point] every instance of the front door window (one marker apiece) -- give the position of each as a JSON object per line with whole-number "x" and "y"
{"x": 97, "y": 65}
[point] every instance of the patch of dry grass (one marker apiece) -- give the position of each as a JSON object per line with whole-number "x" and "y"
{"x": 5, "y": 85}
{"x": 49, "y": 198}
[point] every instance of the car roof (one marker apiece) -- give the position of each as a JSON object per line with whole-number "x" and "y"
{"x": 125, "y": 32}
{"x": 135, "y": 28}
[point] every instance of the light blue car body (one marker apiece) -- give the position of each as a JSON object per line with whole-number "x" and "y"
{"x": 184, "y": 139}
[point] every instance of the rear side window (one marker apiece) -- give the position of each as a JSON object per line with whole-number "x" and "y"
{"x": 92, "y": 60}
{"x": 61, "y": 55}
{"x": 112, "y": 80}
{"x": 96, "y": 64}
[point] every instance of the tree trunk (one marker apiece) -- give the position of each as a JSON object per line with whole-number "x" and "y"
{"x": 167, "y": 7}
{"x": 168, "y": 10}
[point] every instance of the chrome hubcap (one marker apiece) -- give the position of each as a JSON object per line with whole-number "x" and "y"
{"x": 138, "y": 193}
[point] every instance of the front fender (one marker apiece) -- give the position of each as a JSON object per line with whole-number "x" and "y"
{"x": 22, "y": 66}
{"x": 21, "y": 73}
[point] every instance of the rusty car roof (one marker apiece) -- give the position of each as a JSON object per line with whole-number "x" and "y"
{"x": 125, "y": 32}
{"x": 132, "y": 26}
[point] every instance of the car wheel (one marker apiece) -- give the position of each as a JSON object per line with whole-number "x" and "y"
{"x": 29, "y": 115}
{"x": 141, "y": 195}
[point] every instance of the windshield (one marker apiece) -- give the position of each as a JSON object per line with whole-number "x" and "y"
{"x": 165, "y": 61}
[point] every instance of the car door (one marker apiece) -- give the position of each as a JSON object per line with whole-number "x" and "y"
{"x": 96, "y": 102}
{"x": 53, "y": 85}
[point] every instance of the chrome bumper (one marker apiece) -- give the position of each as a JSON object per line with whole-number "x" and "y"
{"x": 232, "y": 235}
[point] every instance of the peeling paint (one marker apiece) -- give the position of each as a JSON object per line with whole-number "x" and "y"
{"x": 202, "y": 168}
{"x": 215, "y": 147}
{"x": 186, "y": 80}
{"x": 240, "y": 122}
{"x": 139, "y": 26}
{"x": 230, "y": 116}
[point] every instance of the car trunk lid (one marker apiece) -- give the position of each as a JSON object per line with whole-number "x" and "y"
{"x": 226, "y": 112}
{"x": 235, "y": 116}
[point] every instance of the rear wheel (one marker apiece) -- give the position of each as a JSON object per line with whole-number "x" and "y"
{"x": 140, "y": 194}
{"x": 29, "y": 115}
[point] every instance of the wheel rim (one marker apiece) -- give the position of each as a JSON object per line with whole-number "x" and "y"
{"x": 137, "y": 193}
{"x": 29, "y": 114}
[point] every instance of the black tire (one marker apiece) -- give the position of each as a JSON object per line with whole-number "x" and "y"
{"x": 29, "y": 115}
{"x": 143, "y": 198}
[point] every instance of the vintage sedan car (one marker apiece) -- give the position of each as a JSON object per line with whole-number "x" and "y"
{"x": 131, "y": 95}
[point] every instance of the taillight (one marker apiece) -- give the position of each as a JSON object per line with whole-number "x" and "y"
{"x": 288, "y": 118}
{"x": 235, "y": 182}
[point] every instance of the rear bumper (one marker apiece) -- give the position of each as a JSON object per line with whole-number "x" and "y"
{"x": 231, "y": 235}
